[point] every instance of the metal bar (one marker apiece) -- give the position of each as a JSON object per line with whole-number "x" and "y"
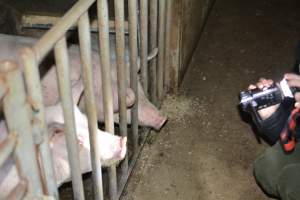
{"x": 3, "y": 88}
{"x": 102, "y": 11}
{"x": 132, "y": 20}
{"x": 90, "y": 102}
{"x": 133, "y": 162}
{"x": 167, "y": 79}
{"x": 18, "y": 117}
{"x": 7, "y": 147}
{"x": 63, "y": 74}
{"x": 161, "y": 49}
{"x": 144, "y": 44}
{"x": 46, "y": 43}
{"x": 153, "y": 54}
{"x": 47, "y": 22}
{"x": 34, "y": 89}
{"x": 121, "y": 73}
{"x": 153, "y": 44}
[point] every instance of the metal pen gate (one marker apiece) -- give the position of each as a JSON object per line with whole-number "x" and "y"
{"x": 55, "y": 39}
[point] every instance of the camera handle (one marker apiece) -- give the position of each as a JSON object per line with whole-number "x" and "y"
{"x": 253, "y": 109}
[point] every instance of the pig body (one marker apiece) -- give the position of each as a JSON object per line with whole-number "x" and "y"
{"x": 10, "y": 49}
{"x": 148, "y": 113}
{"x": 112, "y": 149}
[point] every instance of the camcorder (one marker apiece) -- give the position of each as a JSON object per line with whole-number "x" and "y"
{"x": 257, "y": 99}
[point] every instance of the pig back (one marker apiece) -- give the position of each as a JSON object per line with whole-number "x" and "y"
{"x": 10, "y": 48}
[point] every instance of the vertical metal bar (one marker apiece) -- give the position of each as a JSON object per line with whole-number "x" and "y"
{"x": 132, "y": 17}
{"x": 7, "y": 147}
{"x": 90, "y": 102}
{"x": 63, "y": 74}
{"x": 161, "y": 49}
{"x": 34, "y": 89}
{"x": 18, "y": 117}
{"x": 122, "y": 79}
{"x": 153, "y": 44}
{"x": 103, "y": 24}
{"x": 167, "y": 45}
{"x": 144, "y": 44}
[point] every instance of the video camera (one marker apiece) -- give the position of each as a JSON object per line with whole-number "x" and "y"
{"x": 257, "y": 99}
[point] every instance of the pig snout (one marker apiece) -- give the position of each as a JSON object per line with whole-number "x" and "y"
{"x": 157, "y": 122}
{"x": 148, "y": 114}
{"x": 112, "y": 148}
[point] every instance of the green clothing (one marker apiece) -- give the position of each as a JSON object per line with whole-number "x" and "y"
{"x": 278, "y": 173}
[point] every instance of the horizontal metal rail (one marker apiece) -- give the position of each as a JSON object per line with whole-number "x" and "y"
{"x": 47, "y": 22}
{"x": 47, "y": 42}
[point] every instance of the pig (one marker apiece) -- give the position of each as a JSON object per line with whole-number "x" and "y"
{"x": 148, "y": 114}
{"x": 10, "y": 49}
{"x": 112, "y": 149}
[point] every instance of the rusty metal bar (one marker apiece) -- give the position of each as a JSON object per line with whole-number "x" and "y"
{"x": 144, "y": 44}
{"x": 18, "y": 118}
{"x": 167, "y": 45}
{"x": 46, "y": 43}
{"x": 7, "y": 147}
{"x": 102, "y": 11}
{"x": 121, "y": 73}
{"x": 34, "y": 89}
{"x": 63, "y": 74}
{"x": 132, "y": 20}
{"x": 161, "y": 49}
{"x": 153, "y": 44}
{"x": 90, "y": 102}
{"x": 30, "y": 21}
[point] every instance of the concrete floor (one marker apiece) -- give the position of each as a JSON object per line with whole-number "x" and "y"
{"x": 206, "y": 151}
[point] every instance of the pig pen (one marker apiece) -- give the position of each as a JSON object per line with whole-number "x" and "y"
{"x": 28, "y": 127}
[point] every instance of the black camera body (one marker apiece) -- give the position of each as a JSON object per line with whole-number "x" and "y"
{"x": 257, "y": 99}
{"x": 261, "y": 98}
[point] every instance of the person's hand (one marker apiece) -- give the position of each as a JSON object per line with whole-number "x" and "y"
{"x": 265, "y": 83}
{"x": 293, "y": 80}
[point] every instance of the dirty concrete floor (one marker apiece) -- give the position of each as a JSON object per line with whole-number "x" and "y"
{"x": 206, "y": 151}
